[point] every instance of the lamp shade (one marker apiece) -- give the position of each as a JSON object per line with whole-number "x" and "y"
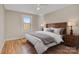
{"x": 71, "y": 24}
{"x": 42, "y": 25}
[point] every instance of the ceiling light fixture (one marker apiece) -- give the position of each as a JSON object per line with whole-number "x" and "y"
{"x": 38, "y": 7}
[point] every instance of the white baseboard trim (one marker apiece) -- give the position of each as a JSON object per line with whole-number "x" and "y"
{"x": 14, "y": 37}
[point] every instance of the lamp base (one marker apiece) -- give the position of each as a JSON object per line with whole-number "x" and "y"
{"x": 71, "y": 32}
{"x": 42, "y": 29}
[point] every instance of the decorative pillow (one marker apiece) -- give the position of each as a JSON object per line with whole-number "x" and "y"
{"x": 62, "y": 31}
{"x": 46, "y": 29}
{"x": 58, "y": 30}
{"x": 50, "y": 30}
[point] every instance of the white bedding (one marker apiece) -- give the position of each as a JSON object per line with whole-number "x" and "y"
{"x": 39, "y": 45}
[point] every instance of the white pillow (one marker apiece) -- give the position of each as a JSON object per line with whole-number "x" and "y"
{"x": 46, "y": 29}
{"x": 56, "y": 30}
{"x": 53, "y": 30}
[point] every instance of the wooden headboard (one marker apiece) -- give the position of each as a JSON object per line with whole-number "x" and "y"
{"x": 58, "y": 25}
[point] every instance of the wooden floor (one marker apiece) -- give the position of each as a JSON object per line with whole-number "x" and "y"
{"x": 18, "y": 46}
{"x": 22, "y": 46}
{"x": 62, "y": 49}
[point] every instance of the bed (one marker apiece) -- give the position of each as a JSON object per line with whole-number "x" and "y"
{"x": 14, "y": 46}
{"x": 39, "y": 44}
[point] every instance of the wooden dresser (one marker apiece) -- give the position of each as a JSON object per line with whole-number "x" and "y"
{"x": 71, "y": 40}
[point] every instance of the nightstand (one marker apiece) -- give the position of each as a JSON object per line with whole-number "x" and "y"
{"x": 71, "y": 40}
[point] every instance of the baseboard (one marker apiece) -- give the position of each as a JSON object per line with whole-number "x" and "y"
{"x": 14, "y": 37}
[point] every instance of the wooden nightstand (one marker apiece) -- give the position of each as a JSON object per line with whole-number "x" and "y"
{"x": 71, "y": 40}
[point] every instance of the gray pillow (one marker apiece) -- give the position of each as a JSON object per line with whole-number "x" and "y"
{"x": 50, "y": 30}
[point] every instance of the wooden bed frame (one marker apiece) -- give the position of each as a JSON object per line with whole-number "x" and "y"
{"x": 58, "y": 25}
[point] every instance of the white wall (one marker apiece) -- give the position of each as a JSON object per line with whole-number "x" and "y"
{"x": 64, "y": 15}
{"x": 14, "y": 24}
{"x": 41, "y": 20}
{"x": 2, "y": 16}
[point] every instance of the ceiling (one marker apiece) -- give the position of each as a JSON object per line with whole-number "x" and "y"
{"x": 31, "y": 8}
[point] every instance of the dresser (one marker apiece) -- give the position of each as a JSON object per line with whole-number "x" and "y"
{"x": 71, "y": 40}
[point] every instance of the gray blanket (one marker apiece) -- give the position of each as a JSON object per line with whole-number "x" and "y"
{"x": 46, "y": 39}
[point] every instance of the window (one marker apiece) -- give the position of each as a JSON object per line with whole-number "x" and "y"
{"x": 27, "y": 23}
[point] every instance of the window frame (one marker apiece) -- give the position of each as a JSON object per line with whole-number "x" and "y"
{"x": 29, "y": 23}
